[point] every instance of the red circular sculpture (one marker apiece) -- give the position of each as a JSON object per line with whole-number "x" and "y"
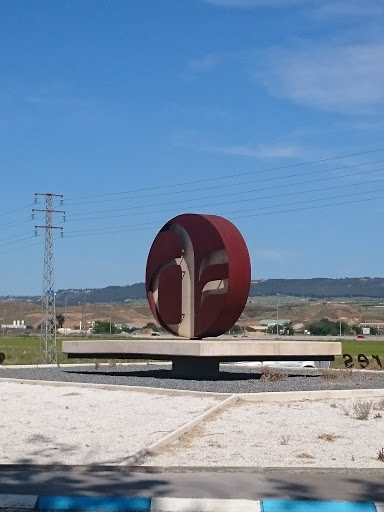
{"x": 198, "y": 275}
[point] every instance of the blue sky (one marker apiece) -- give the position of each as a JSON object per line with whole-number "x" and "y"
{"x": 269, "y": 112}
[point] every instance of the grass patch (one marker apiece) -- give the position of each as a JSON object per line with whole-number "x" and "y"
{"x": 355, "y": 347}
{"x": 26, "y": 350}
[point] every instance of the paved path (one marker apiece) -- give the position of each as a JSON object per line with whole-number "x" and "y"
{"x": 361, "y": 485}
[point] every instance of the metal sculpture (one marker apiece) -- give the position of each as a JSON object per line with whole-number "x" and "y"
{"x": 198, "y": 275}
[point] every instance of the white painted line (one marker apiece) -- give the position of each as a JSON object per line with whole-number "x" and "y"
{"x": 19, "y": 501}
{"x": 203, "y": 505}
{"x": 379, "y": 506}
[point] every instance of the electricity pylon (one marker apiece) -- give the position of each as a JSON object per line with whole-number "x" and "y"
{"x": 48, "y": 349}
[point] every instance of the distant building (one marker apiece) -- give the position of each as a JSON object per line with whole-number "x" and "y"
{"x": 16, "y": 324}
{"x": 376, "y": 325}
{"x": 273, "y": 321}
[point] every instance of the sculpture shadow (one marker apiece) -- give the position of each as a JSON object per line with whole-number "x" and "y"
{"x": 164, "y": 375}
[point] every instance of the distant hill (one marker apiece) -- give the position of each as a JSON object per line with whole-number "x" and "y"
{"x": 320, "y": 287}
{"x": 313, "y": 288}
{"x": 100, "y": 295}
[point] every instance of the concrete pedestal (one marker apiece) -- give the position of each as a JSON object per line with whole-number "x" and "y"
{"x": 200, "y": 358}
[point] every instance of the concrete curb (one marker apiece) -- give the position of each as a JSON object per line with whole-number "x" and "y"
{"x": 326, "y": 394}
{"x": 268, "y": 470}
{"x": 176, "y": 434}
{"x": 272, "y": 396}
{"x": 318, "y": 506}
{"x": 114, "y": 387}
{"x": 70, "y": 365}
{"x": 133, "y": 504}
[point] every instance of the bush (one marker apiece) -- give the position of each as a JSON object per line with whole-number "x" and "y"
{"x": 362, "y": 409}
{"x": 105, "y": 328}
{"x": 325, "y": 327}
{"x": 154, "y": 327}
{"x": 272, "y": 375}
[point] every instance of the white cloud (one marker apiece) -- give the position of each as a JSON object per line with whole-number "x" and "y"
{"x": 273, "y": 151}
{"x": 249, "y": 3}
{"x": 260, "y": 151}
{"x": 204, "y": 63}
{"x": 350, "y": 8}
{"x": 343, "y": 78}
{"x": 321, "y": 8}
{"x": 274, "y": 255}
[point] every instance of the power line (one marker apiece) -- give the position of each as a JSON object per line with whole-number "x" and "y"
{"x": 20, "y": 248}
{"x": 339, "y": 203}
{"x": 90, "y": 216}
{"x": 24, "y": 220}
{"x": 223, "y": 177}
{"x": 6, "y": 239}
{"x": 260, "y": 211}
{"x": 16, "y": 210}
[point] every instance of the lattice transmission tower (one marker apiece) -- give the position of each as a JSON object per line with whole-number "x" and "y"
{"x": 48, "y": 349}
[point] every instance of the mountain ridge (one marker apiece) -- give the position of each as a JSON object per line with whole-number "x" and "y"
{"x": 327, "y": 288}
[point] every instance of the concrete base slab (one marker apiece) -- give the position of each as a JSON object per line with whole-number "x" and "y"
{"x": 201, "y": 358}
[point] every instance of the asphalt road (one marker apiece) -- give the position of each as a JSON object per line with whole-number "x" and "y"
{"x": 361, "y": 485}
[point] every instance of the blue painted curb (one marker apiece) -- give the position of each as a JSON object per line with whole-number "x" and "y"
{"x": 83, "y": 503}
{"x": 316, "y": 506}
{"x": 93, "y": 503}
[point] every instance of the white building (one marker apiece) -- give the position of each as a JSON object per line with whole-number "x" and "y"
{"x": 16, "y": 324}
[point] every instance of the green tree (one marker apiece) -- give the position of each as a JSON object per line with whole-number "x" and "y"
{"x": 272, "y": 329}
{"x": 356, "y": 329}
{"x": 288, "y": 329}
{"x": 60, "y": 319}
{"x": 325, "y": 327}
{"x": 235, "y": 330}
{"x": 125, "y": 328}
{"x": 105, "y": 327}
{"x": 153, "y": 326}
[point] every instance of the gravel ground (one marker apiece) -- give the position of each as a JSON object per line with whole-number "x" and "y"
{"x": 231, "y": 380}
{"x": 68, "y": 425}
{"x": 46, "y": 424}
{"x": 321, "y": 433}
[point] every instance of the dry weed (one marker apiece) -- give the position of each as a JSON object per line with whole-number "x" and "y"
{"x": 272, "y": 375}
{"x": 329, "y": 374}
{"x": 328, "y": 437}
{"x": 347, "y": 374}
{"x": 344, "y": 409}
{"x": 379, "y": 405}
{"x": 304, "y": 456}
{"x": 361, "y": 409}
